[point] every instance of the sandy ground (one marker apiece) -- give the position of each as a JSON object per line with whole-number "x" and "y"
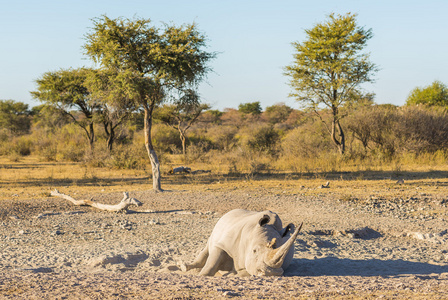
{"x": 351, "y": 246}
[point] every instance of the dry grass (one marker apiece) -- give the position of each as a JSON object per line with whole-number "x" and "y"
{"x": 31, "y": 178}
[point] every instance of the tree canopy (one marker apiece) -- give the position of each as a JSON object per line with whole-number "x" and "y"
{"x": 66, "y": 90}
{"x": 435, "y": 94}
{"x": 277, "y": 113}
{"x": 14, "y": 116}
{"x": 149, "y": 56}
{"x": 253, "y": 108}
{"x": 182, "y": 115}
{"x": 329, "y": 66}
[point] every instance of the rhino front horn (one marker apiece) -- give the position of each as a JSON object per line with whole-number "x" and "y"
{"x": 276, "y": 257}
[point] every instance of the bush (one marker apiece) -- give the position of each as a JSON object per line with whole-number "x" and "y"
{"x": 198, "y": 148}
{"x": 166, "y": 139}
{"x": 222, "y": 137}
{"x": 374, "y": 126}
{"x": 44, "y": 144}
{"x": 386, "y": 130}
{"x": 21, "y": 146}
{"x": 122, "y": 157}
{"x": 264, "y": 139}
{"x": 260, "y": 138}
{"x": 129, "y": 157}
{"x": 15, "y": 146}
{"x": 422, "y": 129}
{"x": 277, "y": 113}
{"x": 306, "y": 141}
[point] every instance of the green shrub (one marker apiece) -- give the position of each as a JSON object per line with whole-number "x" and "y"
{"x": 44, "y": 144}
{"x": 166, "y": 139}
{"x": 21, "y": 146}
{"x": 264, "y": 139}
{"x": 260, "y": 138}
{"x": 306, "y": 141}
{"x": 72, "y": 143}
{"x": 129, "y": 157}
{"x": 222, "y": 137}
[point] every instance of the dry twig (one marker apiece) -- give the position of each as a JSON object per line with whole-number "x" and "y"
{"x": 122, "y": 206}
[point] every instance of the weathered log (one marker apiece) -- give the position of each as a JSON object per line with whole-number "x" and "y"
{"x": 180, "y": 170}
{"x": 122, "y": 206}
{"x": 187, "y": 170}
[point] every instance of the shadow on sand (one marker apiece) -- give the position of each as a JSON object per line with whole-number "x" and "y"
{"x": 331, "y": 266}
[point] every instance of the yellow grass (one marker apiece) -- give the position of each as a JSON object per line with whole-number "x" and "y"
{"x": 32, "y": 178}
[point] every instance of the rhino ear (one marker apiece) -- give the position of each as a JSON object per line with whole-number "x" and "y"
{"x": 264, "y": 220}
{"x": 288, "y": 228}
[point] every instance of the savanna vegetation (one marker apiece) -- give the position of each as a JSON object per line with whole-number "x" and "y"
{"x": 279, "y": 139}
{"x": 143, "y": 100}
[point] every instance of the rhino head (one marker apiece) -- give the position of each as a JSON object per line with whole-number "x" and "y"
{"x": 271, "y": 250}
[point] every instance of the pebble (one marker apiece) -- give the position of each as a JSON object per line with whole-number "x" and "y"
{"x": 230, "y": 294}
{"x": 154, "y": 222}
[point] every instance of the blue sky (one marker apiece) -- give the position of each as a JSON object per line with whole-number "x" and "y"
{"x": 253, "y": 39}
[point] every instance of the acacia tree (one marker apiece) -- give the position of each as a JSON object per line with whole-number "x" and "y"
{"x": 434, "y": 94}
{"x": 115, "y": 106}
{"x": 277, "y": 113}
{"x": 329, "y": 66}
{"x": 66, "y": 91}
{"x": 14, "y": 117}
{"x": 48, "y": 117}
{"x": 253, "y": 108}
{"x": 149, "y": 63}
{"x": 182, "y": 114}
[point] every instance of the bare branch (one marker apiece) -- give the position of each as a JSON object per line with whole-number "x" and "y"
{"x": 122, "y": 206}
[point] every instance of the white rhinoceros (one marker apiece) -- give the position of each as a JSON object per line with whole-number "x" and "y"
{"x": 247, "y": 243}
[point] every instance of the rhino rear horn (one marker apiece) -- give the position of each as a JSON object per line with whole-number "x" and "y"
{"x": 276, "y": 257}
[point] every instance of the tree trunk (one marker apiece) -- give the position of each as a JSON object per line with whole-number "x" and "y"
{"x": 91, "y": 136}
{"x": 184, "y": 143}
{"x": 342, "y": 140}
{"x": 336, "y": 126}
{"x": 155, "y": 164}
{"x": 110, "y": 137}
{"x": 109, "y": 134}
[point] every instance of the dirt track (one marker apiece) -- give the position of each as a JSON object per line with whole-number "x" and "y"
{"x": 355, "y": 243}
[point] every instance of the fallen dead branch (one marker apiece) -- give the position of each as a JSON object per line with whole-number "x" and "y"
{"x": 187, "y": 170}
{"x": 180, "y": 170}
{"x": 122, "y": 206}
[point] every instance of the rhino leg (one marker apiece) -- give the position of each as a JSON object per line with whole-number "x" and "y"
{"x": 214, "y": 261}
{"x": 199, "y": 261}
{"x": 243, "y": 273}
